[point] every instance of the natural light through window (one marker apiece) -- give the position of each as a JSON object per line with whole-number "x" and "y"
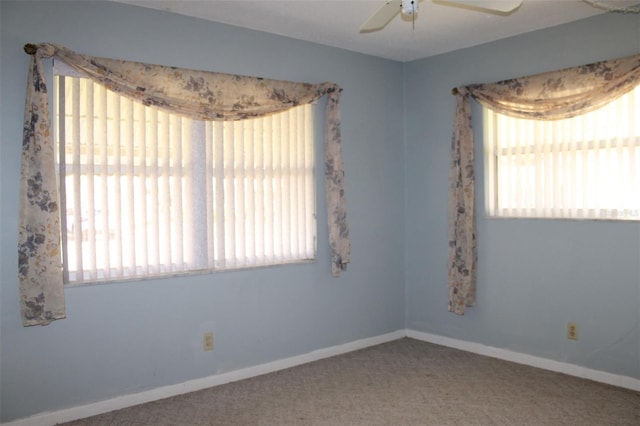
{"x": 586, "y": 167}
{"x": 149, "y": 193}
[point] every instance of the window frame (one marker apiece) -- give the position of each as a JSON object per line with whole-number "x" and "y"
{"x": 495, "y": 205}
{"x": 61, "y": 69}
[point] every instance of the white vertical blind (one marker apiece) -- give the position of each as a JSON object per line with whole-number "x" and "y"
{"x": 585, "y": 167}
{"x": 150, "y": 193}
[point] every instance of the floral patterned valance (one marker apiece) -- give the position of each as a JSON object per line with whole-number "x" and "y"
{"x": 559, "y": 94}
{"x": 201, "y": 95}
{"x": 548, "y": 96}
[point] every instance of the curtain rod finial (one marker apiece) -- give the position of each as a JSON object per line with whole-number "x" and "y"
{"x": 454, "y": 91}
{"x": 30, "y": 49}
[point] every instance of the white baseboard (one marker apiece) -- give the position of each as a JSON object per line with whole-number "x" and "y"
{"x": 75, "y": 413}
{"x": 533, "y": 361}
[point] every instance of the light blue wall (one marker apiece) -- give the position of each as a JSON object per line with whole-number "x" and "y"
{"x": 534, "y": 275}
{"x": 125, "y": 338}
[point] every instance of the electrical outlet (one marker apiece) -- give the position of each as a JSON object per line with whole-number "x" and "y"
{"x": 207, "y": 341}
{"x": 572, "y": 331}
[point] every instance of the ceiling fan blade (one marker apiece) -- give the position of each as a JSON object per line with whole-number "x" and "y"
{"x": 499, "y": 7}
{"x": 382, "y": 17}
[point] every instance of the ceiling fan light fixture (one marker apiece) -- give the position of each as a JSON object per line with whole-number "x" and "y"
{"x": 409, "y": 7}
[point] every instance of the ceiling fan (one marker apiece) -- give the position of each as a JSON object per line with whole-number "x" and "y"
{"x": 409, "y": 8}
{"x": 391, "y": 8}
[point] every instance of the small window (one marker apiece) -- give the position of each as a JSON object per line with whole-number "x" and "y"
{"x": 586, "y": 167}
{"x": 148, "y": 193}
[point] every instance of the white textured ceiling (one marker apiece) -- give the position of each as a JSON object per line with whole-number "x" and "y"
{"x": 438, "y": 28}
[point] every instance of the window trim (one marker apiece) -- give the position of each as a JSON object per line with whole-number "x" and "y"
{"x": 313, "y": 225}
{"x": 495, "y": 208}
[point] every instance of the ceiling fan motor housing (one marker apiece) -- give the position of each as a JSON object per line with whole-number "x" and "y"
{"x": 409, "y": 7}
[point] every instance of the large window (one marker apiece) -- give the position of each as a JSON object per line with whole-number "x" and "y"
{"x": 586, "y": 167}
{"x": 148, "y": 193}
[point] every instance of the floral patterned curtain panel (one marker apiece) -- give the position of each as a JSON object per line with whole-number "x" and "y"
{"x": 462, "y": 227}
{"x": 548, "y": 96}
{"x": 39, "y": 260}
{"x": 201, "y": 95}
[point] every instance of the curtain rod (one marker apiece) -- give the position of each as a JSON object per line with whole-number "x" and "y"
{"x": 30, "y": 49}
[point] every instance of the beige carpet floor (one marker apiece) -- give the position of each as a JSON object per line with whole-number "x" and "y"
{"x": 404, "y": 382}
